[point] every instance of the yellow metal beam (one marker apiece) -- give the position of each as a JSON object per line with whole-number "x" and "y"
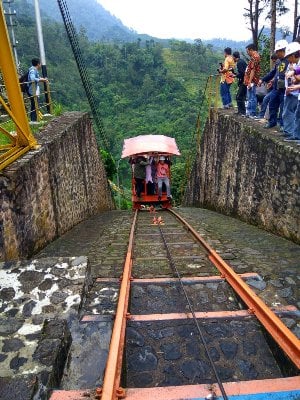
{"x": 12, "y": 156}
{"x": 9, "y": 73}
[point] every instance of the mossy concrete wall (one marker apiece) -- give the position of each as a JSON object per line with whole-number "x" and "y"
{"x": 53, "y": 188}
{"x": 246, "y": 171}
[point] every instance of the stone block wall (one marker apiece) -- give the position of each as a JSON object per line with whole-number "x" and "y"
{"x": 52, "y": 188}
{"x": 245, "y": 171}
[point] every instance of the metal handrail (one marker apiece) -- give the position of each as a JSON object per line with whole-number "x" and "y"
{"x": 24, "y": 140}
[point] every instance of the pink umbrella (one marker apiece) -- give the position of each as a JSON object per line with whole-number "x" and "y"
{"x": 150, "y": 144}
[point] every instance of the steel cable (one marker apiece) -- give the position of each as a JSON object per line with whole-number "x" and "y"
{"x": 176, "y": 272}
{"x": 73, "y": 38}
{"x": 197, "y": 130}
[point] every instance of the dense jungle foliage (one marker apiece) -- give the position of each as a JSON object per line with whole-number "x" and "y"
{"x": 140, "y": 87}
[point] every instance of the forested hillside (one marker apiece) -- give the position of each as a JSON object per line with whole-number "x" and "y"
{"x": 138, "y": 88}
{"x": 98, "y": 23}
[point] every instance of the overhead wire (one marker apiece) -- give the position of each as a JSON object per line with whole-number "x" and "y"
{"x": 176, "y": 273}
{"x": 73, "y": 38}
{"x": 196, "y": 131}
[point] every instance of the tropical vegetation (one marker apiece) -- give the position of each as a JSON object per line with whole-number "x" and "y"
{"x": 139, "y": 86}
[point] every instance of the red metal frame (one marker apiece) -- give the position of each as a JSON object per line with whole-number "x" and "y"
{"x": 203, "y": 315}
{"x": 149, "y": 199}
{"x": 233, "y": 389}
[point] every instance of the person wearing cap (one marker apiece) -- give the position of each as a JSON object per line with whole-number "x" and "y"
{"x": 278, "y": 90}
{"x": 292, "y": 53}
{"x": 163, "y": 175}
{"x": 295, "y": 75}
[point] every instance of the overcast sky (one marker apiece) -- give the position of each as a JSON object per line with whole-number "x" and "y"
{"x": 186, "y": 19}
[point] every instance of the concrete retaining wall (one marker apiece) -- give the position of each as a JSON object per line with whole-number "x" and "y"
{"x": 248, "y": 172}
{"x": 53, "y": 188}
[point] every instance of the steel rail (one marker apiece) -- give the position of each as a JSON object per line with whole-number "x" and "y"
{"x": 201, "y": 336}
{"x": 113, "y": 368}
{"x": 288, "y": 342}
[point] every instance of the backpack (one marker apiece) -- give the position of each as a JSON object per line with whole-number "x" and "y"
{"x": 23, "y": 80}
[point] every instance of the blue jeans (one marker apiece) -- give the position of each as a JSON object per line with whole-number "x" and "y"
{"x": 276, "y": 100}
{"x": 264, "y": 105}
{"x": 166, "y": 181}
{"x": 225, "y": 93}
{"x": 297, "y": 122}
{"x": 252, "y": 101}
{"x": 288, "y": 115}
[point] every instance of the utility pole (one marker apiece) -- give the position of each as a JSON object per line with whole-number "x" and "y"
{"x": 296, "y": 21}
{"x": 10, "y": 24}
{"x": 42, "y": 50}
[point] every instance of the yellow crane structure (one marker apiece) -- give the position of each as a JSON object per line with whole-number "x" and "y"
{"x": 22, "y": 140}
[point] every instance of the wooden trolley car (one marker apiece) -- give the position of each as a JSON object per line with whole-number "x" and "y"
{"x": 153, "y": 147}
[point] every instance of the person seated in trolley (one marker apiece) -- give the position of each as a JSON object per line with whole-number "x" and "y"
{"x": 163, "y": 177}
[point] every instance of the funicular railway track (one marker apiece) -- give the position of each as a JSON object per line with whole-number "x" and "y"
{"x": 188, "y": 327}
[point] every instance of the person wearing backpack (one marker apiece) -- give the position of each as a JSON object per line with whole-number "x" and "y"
{"x": 33, "y": 87}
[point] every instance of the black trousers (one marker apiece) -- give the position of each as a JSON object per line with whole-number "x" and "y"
{"x": 139, "y": 186}
{"x": 33, "y": 111}
{"x": 241, "y": 98}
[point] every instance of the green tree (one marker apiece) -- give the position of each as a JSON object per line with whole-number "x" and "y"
{"x": 109, "y": 163}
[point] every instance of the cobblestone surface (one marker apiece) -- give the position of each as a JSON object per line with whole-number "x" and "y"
{"x": 103, "y": 241}
{"x": 37, "y": 302}
{"x": 168, "y": 353}
{"x": 251, "y": 249}
{"x": 168, "y": 298}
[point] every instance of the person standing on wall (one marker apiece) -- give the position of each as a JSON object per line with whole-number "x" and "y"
{"x": 241, "y": 66}
{"x": 277, "y": 74}
{"x": 251, "y": 79}
{"x": 264, "y": 111}
{"x": 292, "y": 53}
{"x": 294, "y": 86}
{"x": 227, "y": 77}
{"x": 33, "y": 88}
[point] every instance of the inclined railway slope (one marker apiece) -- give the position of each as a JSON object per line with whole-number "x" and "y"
{"x": 174, "y": 354}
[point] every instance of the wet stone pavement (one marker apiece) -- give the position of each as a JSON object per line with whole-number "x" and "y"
{"x": 169, "y": 353}
{"x": 37, "y": 299}
{"x": 42, "y": 301}
{"x": 42, "y": 338}
{"x": 247, "y": 248}
{"x": 167, "y": 298}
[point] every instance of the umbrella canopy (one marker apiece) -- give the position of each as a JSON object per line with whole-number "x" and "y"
{"x": 149, "y": 144}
